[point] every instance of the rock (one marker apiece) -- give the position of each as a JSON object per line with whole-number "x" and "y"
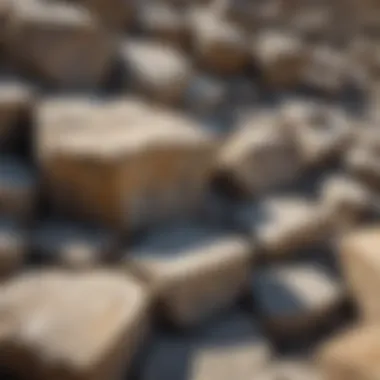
{"x": 296, "y": 300}
{"x": 4, "y": 10}
{"x": 13, "y": 248}
{"x": 291, "y": 369}
{"x": 17, "y": 101}
{"x": 148, "y": 166}
{"x": 115, "y": 14}
{"x": 259, "y": 156}
{"x": 321, "y": 132}
{"x": 346, "y": 198}
{"x": 18, "y": 189}
{"x": 61, "y": 43}
{"x": 156, "y": 70}
{"x": 284, "y": 224}
{"x": 281, "y": 58}
{"x": 195, "y": 270}
{"x": 219, "y": 46}
{"x": 232, "y": 347}
{"x": 353, "y": 353}
{"x": 360, "y": 262}
{"x": 67, "y": 326}
{"x": 72, "y": 245}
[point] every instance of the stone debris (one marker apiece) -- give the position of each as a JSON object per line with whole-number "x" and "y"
{"x": 298, "y": 299}
{"x": 69, "y": 326}
{"x": 195, "y": 271}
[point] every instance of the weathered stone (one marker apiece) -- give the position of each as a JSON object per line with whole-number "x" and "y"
{"x": 156, "y": 70}
{"x": 13, "y": 247}
{"x": 360, "y": 262}
{"x": 259, "y": 156}
{"x": 284, "y": 224}
{"x": 18, "y": 189}
{"x": 291, "y": 369}
{"x": 232, "y": 347}
{"x": 281, "y": 58}
{"x": 61, "y": 43}
{"x": 321, "y": 132}
{"x": 57, "y": 325}
{"x": 219, "y": 45}
{"x": 150, "y": 165}
{"x": 351, "y": 355}
{"x": 296, "y": 300}
{"x": 72, "y": 245}
{"x": 194, "y": 270}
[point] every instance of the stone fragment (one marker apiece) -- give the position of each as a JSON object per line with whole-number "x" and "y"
{"x": 296, "y": 300}
{"x": 150, "y": 165}
{"x": 58, "y": 325}
{"x": 360, "y": 263}
{"x": 72, "y": 245}
{"x": 259, "y": 156}
{"x": 291, "y": 369}
{"x": 60, "y": 42}
{"x": 194, "y": 270}
{"x": 18, "y": 189}
{"x": 321, "y": 132}
{"x": 283, "y": 224}
{"x": 219, "y": 46}
{"x": 156, "y": 70}
{"x": 351, "y": 355}
{"x": 281, "y": 58}
{"x": 233, "y": 346}
{"x": 13, "y": 247}
{"x": 17, "y": 101}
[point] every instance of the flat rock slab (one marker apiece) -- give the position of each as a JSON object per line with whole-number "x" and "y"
{"x": 360, "y": 262}
{"x": 295, "y": 300}
{"x": 57, "y": 325}
{"x": 194, "y": 270}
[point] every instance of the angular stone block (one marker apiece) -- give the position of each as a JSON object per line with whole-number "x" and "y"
{"x": 281, "y": 58}
{"x": 322, "y": 132}
{"x": 60, "y": 42}
{"x": 156, "y": 70}
{"x": 359, "y": 258}
{"x": 13, "y": 247}
{"x": 351, "y": 355}
{"x": 219, "y": 46}
{"x": 195, "y": 271}
{"x": 57, "y": 325}
{"x": 72, "y": 245}
{"x": 148, "y": 166}
{"x": 296, "y": 300}
{"x": 259, "y": 156}
{"x": 18, "y": 189}
{"x": 282, "y": 225}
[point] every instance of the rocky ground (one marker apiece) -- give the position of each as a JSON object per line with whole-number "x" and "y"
{"x": 189, "y": 190}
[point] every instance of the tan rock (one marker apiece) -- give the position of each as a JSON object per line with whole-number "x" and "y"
{"x": 360, "y": 262}
{"x": 260, "y": 155}
{"x": 67, "y": 326}
{"x": 18, "y": 189}
{"x": 321, "y": 132}
{"x": 291, "y": 369}
{"x": 149, "y": 166}
{"x": 156, "y": 70}
{"x": 281, "y": 58}
{"x": 296, "y": 300}
{"x": 232, "y": 347}
{"x": 284, "y": 224}
{"x": 73, "y": 246}
{"x": 219, "y": 46}
{"x": 13, "y": 248}
{"x": 351, "y": 355}
{"x": 61, "y": 43}
{"x": 194, "y": 270}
